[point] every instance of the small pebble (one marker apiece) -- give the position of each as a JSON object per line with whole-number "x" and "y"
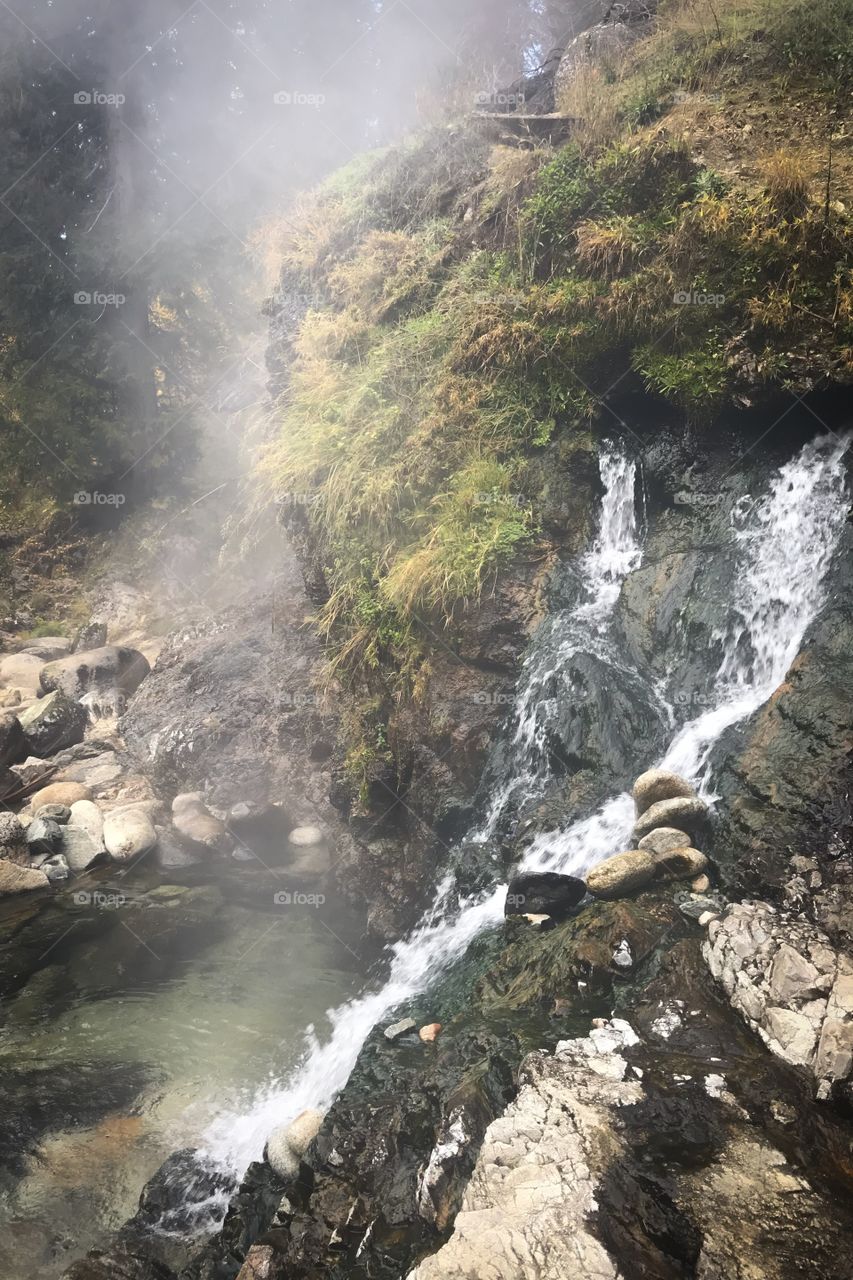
{"x": 430, "y": 1032}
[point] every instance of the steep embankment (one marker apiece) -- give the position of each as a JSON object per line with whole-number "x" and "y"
{"x": 461, "y": 318}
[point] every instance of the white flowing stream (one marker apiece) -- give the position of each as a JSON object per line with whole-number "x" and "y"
{"x": 784, "y": 543}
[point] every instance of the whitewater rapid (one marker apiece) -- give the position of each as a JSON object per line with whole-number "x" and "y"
{"x": 784, "y": 543}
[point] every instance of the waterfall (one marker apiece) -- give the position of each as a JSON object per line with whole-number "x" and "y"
{"x": 615, "y": 553}
{"x": 784, "y": 543}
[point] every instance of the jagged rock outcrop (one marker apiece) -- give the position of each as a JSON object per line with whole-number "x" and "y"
{"x": 790, "y": 985}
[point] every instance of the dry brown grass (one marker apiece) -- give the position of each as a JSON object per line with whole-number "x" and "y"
{"x": 786, "y": 174}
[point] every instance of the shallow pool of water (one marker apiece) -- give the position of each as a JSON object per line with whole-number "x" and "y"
{"x": 133, "y": 1012}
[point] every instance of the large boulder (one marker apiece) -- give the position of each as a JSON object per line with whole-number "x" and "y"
{"x": 52, "y": 723}
{"x": 17, "y": 879}
{"x": 103, "y": 670}
{"x": 543, "y": 893}
{"x": 659, "y": 784}
{"x": 622, "y": 875}
{"x": 684, "y": 812}
{"x": 128, "y": 833}
{"x": 13, "y": 744}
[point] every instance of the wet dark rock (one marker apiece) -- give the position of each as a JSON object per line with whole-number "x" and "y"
{"x": 250, "y": 1215}
{"x": 100, "y": 670}
{"x": 118, "y": 1264}
{"x": 544, "y": 893}
{"x": 13, "y": 744}
{"x": 52, "y": 723}
{"x": 178, "y": 1198}
{"x": 43, "y": 836}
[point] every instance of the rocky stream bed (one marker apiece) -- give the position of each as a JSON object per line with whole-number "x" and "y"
{"x": 602, "y": 1051}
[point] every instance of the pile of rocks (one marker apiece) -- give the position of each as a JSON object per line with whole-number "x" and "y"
{"x": 671, "y": 821}
{"x": 77, "y": 804}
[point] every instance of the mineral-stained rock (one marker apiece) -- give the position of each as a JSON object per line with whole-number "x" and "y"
{"x": 622, "y": 875}
{"x": 683, "y": 812}
{"x": 656, "y": 785}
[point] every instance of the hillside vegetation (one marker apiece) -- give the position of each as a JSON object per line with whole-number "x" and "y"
{"x": 478, "y": 304}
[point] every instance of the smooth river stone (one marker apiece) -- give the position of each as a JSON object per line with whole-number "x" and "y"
{"x": 684, "y": 812}
{"x": 622, "y": 875}
{"x": 659, "y": 784}
{"x": 128, "y": 833}
{"x": 662, "y": 839}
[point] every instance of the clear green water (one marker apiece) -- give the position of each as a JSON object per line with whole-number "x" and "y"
{"x": 125, "y": 1029}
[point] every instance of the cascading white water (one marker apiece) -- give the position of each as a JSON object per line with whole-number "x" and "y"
{"x": 615, "y": 553}
{"x": 786, "y": 540}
